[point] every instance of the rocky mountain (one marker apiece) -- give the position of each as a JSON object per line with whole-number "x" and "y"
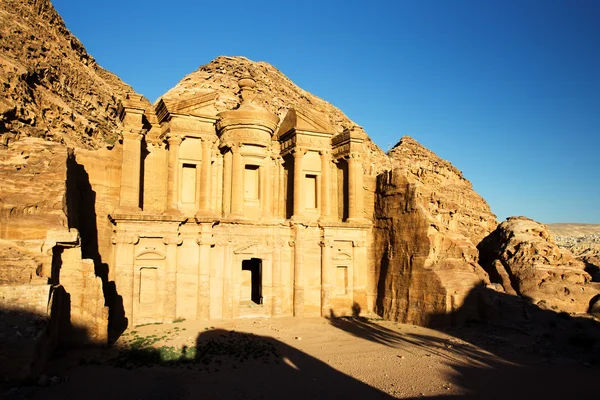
{"x": 427, "y": 226}
{"x": 51, "y": 87}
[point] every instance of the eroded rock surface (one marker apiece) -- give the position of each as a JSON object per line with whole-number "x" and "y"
{"x": 523, "y": 257}
{"x": 428, "y": 221}
{"x": 51, "y": 87}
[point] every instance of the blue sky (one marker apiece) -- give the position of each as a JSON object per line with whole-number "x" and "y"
{"x": 508, "y": 91}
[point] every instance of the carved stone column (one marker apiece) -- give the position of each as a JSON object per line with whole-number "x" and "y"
{"x": 298, "y": 273}
{"x": 277, "y": 292}
{"x": 204, "y": 243}
{"x": 266, "y": 185}
{"x": 360, "y": 274}
{"x": 205, "y": 177}
{"x": 281, "y": 200}
{"x": 325, "y": 185}
{"x": 130, "y": 171}
{"x": 355, "y": 189}
{"x": 237, "y": 183}
{"x": 170, "y": 304}
{"x": 124, "y": 270}
{"x": 173, "y": 176}
{"x": 217, "y": 200}
{"x": 298, "y": 181}
{"x": 326, "y": 276}
{"x": 227, "y": 167}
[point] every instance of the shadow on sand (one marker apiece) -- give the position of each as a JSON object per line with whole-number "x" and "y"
{"x": 515, "y": 350}
{"x": 223, "y": 365}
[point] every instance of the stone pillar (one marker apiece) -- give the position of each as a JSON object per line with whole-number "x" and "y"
{"x": 130, "y": 171}
{"x": 228, "y": 284}
{"x": 237, "y": 183}
{"x": 124, "y": 271}
{"x": 325, "y": 185}
{"x": 266, "y": 185}
{"x": 170, "y": 303}
{"x": 326, "y": 276}
{"x": 298, "y": 274}
{"x": 217, "y": 201}
{"x": 227, "y": 183}
{"x": 359, "y": 283}
{"x": 173, "y": 176}
{"x": 355, "y": 189}
{"x": 205, "y": 177}
{"x": 277, "y": 292}
{"x": 298, "y": 181}
{"x": 351, "y": 189}
{"x": 281, "y": 200}
{"x": 204, "y": 243}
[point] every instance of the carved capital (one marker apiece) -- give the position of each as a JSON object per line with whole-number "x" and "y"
{"x": 299, "y": 152}
{"x": 207, "y": 141}
{"x": 292, "y": 243}
{"x": 209, "y": 241}
{"x": 324, "y": 153}
{"x": 358, "y": 243}
{"x": 133, "y": 134}
{"x": 125, "y": 238}
{"x": 175, "y": 239}
{"x": 174, "y": 140}
{"x": 326, "y": 242}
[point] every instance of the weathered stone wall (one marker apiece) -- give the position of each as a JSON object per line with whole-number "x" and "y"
{"x": 87, "y": 321}
{"x": 29, "y": 298}
{"x": 27, "y": 337}
{"x": 32, "y": 190}
{"x": 427, "y": 221}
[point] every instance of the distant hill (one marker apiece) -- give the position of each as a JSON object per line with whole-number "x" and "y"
{"x": 572, "y": 229}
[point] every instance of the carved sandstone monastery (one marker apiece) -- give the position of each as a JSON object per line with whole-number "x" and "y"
{"x": 236, "y": 194}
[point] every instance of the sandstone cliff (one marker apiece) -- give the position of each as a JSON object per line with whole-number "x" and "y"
{"x": 55, "y": 101}
{"x": 522, "y": 256}
{"x": 51, "y": 87}
{"x": 428, "y": 221}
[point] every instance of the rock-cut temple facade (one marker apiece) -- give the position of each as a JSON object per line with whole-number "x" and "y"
{"x": 238, "y": 213}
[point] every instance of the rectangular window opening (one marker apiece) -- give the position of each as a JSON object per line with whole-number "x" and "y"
{"x": 188, "y": 183}
{"x": 310, "y": 188}
{"x": 251, "y": 182}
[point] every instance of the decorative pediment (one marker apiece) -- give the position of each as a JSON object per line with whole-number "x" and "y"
{"x": 150, "y": 255}
{"x": 201, "y": 105}
{"x": 303, "y": 119}
{"x": 246, "y": 249}
{"x": 342, "y": 257}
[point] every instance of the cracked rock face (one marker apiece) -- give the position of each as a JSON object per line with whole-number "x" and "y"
{"x": 428, "y": 222}
{"x": 51, "y": 87}
{"x": 523, "y": 257}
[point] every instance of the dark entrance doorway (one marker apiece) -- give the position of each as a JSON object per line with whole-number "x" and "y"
{"x": 252, "y": 280}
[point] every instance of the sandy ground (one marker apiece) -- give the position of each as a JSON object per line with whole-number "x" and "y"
{"x": 303, "y": 358}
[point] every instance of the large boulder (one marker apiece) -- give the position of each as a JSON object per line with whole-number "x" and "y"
{"x": 428, "y": 220}
{"x": 523, "y": 257}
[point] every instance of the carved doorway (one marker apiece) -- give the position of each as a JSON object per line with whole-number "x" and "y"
{"x": 251, "y": 281}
